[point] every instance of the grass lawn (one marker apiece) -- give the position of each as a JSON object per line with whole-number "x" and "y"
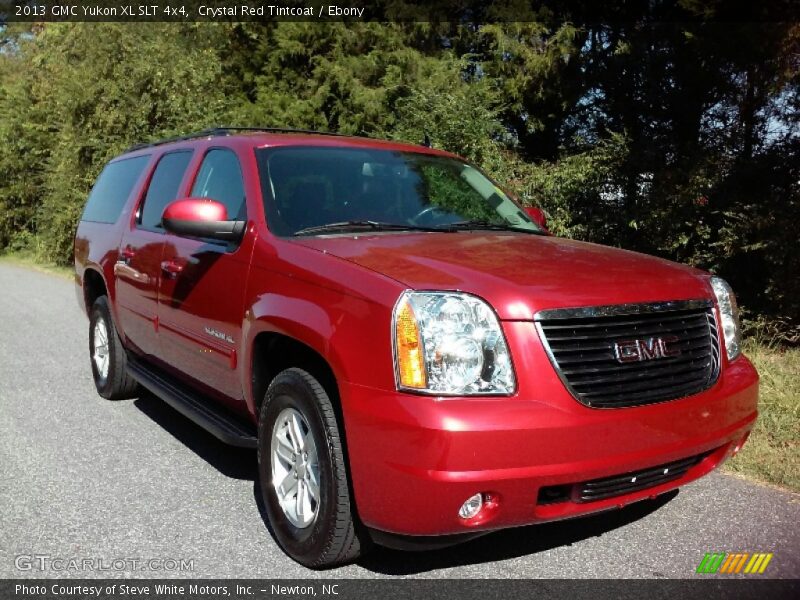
{"x": 772, "y": 453}
{"x": 28, "y": 260}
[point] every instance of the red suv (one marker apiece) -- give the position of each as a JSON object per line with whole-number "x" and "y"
{"x": 415, "y": 359}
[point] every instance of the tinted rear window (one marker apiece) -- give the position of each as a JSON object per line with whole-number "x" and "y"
{"x": 112, "y": 189}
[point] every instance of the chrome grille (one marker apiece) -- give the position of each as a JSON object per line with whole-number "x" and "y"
{"x": 584, "y": 346}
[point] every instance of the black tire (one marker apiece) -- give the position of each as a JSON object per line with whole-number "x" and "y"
{"x": 333, "y": 538}
{"x": 117, "y": 384}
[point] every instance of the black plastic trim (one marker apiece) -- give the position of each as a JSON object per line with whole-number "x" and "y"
{"x": 214, "y": 419}
{"x": 397, "y": 541}
{"x": 227, "y": 231}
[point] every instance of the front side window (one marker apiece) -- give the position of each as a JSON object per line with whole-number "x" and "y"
{"x": 220, "y": 179}
{"x": 311, "y": 190}
{"x": 163, "y": 189}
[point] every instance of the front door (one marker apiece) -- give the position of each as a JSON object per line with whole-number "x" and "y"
{"x": 202, "y": 288}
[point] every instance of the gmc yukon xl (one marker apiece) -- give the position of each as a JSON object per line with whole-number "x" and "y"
{"x": 414, "y": 358}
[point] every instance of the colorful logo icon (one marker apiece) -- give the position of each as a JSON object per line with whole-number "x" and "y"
{"x": 735, "y": 562}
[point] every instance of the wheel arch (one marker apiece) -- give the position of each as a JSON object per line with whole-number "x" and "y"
{"x": 94, "y": 286}
{"x": 273, "y": 351}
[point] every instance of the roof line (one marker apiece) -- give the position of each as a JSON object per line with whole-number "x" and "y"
{"x": 230, "y": 130}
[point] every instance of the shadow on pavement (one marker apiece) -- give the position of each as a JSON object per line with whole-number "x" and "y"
{"x": 239, "y": 463}
{"x": 236, "y": 463}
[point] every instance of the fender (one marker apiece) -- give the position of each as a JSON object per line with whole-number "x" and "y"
{"x": 108, "y": 282}
{"x": 297, "y": 318}
{"x": 339, "y": 312}
{"x": 96, "y": 248}
{"x": 343, "y": 329}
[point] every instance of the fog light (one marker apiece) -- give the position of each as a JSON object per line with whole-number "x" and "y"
{"x": 471, "y": 507}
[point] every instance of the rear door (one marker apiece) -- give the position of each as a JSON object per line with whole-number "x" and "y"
{"x": 202, "y": 288}
{"x": 99, "y": 230}
{"x": 138, "y": 267}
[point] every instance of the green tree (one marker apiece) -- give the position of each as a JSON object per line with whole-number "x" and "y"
{"x": 670, "y": 128}
{"x": 87, "y": 91}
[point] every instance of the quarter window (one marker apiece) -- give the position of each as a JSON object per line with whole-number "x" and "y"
{"x": 113, "y": 187}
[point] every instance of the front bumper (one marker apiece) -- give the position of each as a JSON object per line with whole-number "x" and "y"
{"x": 414, "y": 459}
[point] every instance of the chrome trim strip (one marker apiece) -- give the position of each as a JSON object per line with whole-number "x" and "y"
{"x": 615, "y": 310}
{"x": 714, "y": 330}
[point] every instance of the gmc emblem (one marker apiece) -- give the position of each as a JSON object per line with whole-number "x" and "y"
{"x": 648, "y": 349}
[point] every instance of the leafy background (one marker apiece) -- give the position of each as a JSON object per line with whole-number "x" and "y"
{"x": 671, "y": 129}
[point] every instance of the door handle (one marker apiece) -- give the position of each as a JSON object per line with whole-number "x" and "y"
{"x": 126, "y": 254}
{"x": 171, "y": 268}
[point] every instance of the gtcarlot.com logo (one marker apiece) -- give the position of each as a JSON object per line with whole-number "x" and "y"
{"x": 46, "y": 562}
{"x": 735, "y": 562}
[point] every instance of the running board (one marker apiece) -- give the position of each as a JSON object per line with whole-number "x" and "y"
{"x": 216, "y": 420}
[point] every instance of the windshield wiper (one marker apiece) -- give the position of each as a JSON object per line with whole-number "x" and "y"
{"x": 356, "y": 225}
{"x": 477, "y": 224}
{"x": 343, "y": 226}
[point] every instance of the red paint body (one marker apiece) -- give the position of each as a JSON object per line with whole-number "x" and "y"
{"x": 413, "y": 459}
{"x": 195, "y": 208}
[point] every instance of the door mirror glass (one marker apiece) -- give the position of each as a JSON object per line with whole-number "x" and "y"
{"x": 202, "y": 218}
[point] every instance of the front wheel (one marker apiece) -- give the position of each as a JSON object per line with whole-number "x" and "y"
{"x": 303, "y": 473}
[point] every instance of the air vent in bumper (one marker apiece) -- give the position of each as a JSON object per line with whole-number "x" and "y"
{"x": 619, "y": 485}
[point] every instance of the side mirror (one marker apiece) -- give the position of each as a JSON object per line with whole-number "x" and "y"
{"x": 202, "y": 218}
{"x": 537, "y": 215}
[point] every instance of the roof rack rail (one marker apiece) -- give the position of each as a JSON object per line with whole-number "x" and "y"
{"x": 214, "y": 131}
{"x": 285, "y": 130}
{"x": 226, "y": 130}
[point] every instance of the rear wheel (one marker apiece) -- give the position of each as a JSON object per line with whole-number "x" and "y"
{"x": 303, "y": 473}
{"x": 108, "y": 358}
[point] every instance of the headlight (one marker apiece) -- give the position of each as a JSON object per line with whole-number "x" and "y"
{"x": 729, "y": 313}
{"x": 450, "y": 343}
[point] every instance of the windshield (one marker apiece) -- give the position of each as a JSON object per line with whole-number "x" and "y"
{"x": 321, "y": 190}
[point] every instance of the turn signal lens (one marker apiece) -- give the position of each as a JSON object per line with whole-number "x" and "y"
{"x": 410, "y": 366}
{"x": 729, "y": 314}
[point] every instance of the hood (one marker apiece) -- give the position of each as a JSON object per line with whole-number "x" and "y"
{"x": 518, "y": 274}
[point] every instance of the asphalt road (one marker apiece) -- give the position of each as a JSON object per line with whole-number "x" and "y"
{"x": 81, "y": 477}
